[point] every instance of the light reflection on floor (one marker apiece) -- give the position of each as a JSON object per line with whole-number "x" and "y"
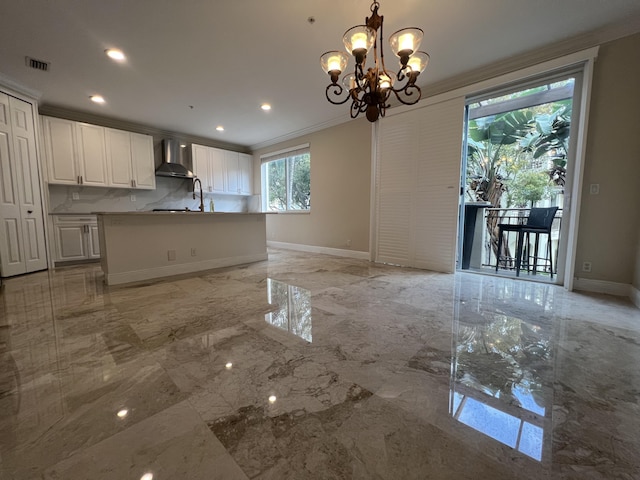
{"x": 505, "y": 402}
{"x": 293, "y": 309}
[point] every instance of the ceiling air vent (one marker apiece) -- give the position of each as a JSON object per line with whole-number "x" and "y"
{"x": 37, "y": 64}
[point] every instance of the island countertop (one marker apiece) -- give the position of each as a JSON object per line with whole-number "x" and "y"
{"x": 182, "y": 212}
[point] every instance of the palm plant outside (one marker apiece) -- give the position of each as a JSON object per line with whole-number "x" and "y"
{"x": 514, "y": 159}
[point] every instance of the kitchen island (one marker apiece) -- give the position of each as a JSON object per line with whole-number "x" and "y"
{"x": 138, "y": 246}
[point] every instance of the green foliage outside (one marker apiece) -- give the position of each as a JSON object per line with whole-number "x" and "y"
{"x": 289, "y": 183}
{"x": 514, "y": 159}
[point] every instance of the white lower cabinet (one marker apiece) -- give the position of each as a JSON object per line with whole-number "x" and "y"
{"x": 76, "y": 237}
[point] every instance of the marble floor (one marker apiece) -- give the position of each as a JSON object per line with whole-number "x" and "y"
{"x": 315, "y": 367}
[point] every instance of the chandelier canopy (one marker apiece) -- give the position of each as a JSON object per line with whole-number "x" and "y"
{"x": 370, "y": 90}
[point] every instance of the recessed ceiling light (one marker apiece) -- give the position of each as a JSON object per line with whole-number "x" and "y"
{"x": 97, "y": 98}
{"x": 147, "y": 476}
{"x": 122, "y": 413}
{"x": 220, "y": 128}
{"x": 229, "y": 365}
{"x": 272, "y": 399}
{"x": 115, "y": 54}
{"x": 266, "y": 107}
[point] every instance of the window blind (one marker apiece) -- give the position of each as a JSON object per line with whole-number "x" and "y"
{"x": 417, "y": 186}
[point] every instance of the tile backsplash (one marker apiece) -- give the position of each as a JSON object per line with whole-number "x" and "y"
{"x": 169, "y": 193}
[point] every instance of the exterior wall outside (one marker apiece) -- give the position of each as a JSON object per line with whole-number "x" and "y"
{"x": 340, "y": 190}
{"x": 609, "y": 227}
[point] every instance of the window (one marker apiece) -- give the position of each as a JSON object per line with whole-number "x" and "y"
{"x": 286, "y": 180}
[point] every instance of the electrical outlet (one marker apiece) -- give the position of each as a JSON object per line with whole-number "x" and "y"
{"x": 586, "y": 266}
{"x": 75, "y": 196}
{"x": 594, "y": 188}
{"x": 193, "y": 252}
{"x": 171, "y": 255}
{"x": 133, "y": 198}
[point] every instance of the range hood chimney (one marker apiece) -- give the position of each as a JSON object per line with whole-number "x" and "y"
{"x": 176, "y": 160}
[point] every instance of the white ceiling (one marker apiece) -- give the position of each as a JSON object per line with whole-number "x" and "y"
{"x": 226, "y": 57}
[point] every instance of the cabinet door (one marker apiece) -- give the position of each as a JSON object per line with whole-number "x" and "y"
{"x": 92, "y": 155}
{"x": 70, "y": 242}
{"x": 60, "y": 150}
{"x": 246, "y": 174}
{"x": 118, "y": 144}
{"x": 201, "y": 166}
{"x": 232, "y": 172}
{"x": 218, "y": 180}
{"x": 93, "y": 242}
{"x": 144, "y": 171}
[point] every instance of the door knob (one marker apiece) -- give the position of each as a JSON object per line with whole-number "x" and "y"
{"x": 29, "y": 211}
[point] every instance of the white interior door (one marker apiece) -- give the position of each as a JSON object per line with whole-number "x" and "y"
{"x": 22, "y": 247}
{"x": 24, "y": 141}
{"x": 417, "y": 179}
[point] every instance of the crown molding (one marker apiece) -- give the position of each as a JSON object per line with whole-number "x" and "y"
{"x": 549, "y": 52}
{"x": 300, "y": 133}
{"x": 19, "y": 88}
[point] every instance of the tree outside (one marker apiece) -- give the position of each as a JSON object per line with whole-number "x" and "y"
{"x": 289, "y": 183}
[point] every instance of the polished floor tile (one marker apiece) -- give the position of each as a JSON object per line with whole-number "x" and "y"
{"x": 315, "y": 367}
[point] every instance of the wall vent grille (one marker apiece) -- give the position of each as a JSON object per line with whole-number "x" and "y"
{"x": 37, "y": 64}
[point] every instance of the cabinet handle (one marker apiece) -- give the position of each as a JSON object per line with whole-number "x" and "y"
{"x": 135, "y": 184}
{"x": 81, "y": 180}
{"x": 29, "y": 211}
{"x": 78, "y": 179}
{"x": 210, "y": 188}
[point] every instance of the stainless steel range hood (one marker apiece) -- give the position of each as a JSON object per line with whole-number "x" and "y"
{"x": 176, "y": 160}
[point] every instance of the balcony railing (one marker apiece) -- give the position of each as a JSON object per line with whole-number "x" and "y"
{"x": 493, "y": 217}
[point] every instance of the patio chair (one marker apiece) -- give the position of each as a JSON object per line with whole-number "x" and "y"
{"x": 538, "y": 222}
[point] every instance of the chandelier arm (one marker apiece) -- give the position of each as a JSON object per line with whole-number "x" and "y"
{"x": 408, "y": 91}
{"x": 335, "y": 93}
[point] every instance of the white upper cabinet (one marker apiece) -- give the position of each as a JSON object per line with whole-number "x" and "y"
{"x": 92, "y": 154}
{"x": 246, "y": 174}
{"x": 84, "y": 154}
{"x": 232, "y": 173}
{"x": 143, "y": 166}
{"x": 60, "y": 149}
{"x": 222, "y": 171}
{"x": 119, "y": 155}
{"x": 201, "y": 165}
{"x": 130, "y": 160}
{"x": 218, "y": 180}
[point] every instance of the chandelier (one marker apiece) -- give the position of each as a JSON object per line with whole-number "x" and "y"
{"x": 370, "y": 90}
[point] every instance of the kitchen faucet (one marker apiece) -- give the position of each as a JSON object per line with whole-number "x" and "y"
{"x": 194, "y": 193}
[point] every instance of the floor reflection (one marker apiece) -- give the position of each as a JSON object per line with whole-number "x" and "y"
{"x": 293, "y": 309}
{"x": 499, "y": 366}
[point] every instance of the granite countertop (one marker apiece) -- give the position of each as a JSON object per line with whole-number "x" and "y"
{"x": 74, "y": 214}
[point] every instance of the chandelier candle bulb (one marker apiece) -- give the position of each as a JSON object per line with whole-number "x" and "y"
{"x": 359, "y": 40}
{"x": 335, "y": 64}
{"x": 406, "y": 42}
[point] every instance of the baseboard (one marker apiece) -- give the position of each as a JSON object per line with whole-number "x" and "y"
{"x": 635, "y": 296}
{"x": 602, "y": 286}
{"x": 170, "y": 270}
{"x": 338, "y": 252}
